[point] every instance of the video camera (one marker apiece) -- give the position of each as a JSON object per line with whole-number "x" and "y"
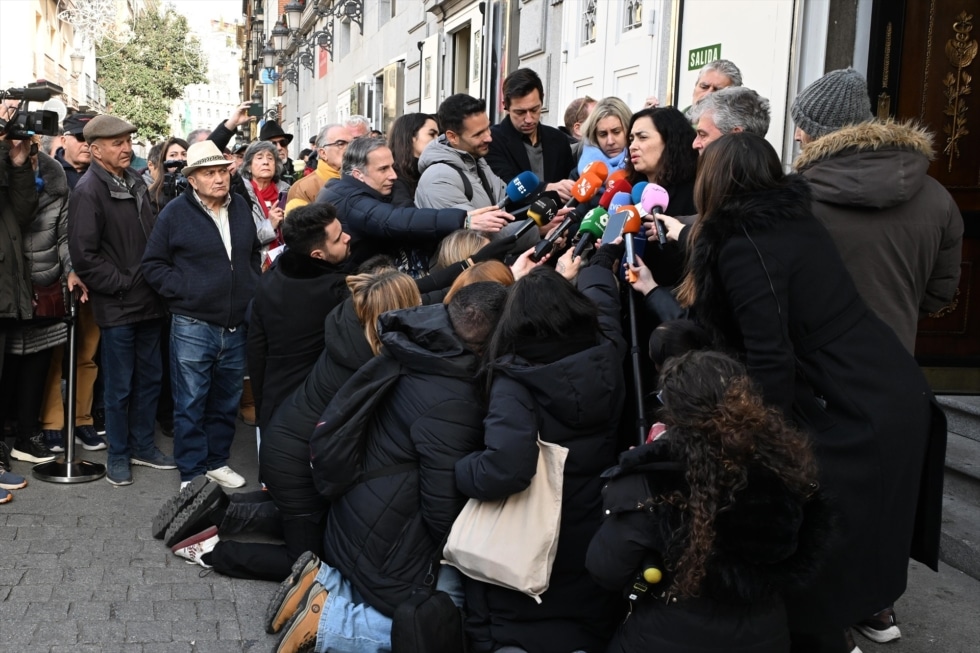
{"x": 24, "y": 124}
{"x": 174, "y": 181}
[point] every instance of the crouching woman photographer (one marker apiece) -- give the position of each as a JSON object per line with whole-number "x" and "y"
{"x": 724, "y": 507}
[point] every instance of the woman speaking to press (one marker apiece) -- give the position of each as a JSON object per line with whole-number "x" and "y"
{"x": 765, "y": 278}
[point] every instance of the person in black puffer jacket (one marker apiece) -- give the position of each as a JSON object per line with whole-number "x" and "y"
{"x": 385, "y": 450}
{"x": 556, "y": 372}
{"x": 284, "y": 450}
{"x": 724, "y": 504}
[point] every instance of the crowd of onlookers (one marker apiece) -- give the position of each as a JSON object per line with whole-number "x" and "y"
{"x": 406, "y": 318}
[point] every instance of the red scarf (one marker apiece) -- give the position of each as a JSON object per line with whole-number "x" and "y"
{"x": 267, "y": 198}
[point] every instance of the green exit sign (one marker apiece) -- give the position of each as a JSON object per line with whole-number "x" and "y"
{"x": 701, "y": 57}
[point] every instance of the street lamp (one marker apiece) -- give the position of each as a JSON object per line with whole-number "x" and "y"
{"x": 269, "y": 57}
{"x": 77, "y": 63}
{"x": 280, "y": 37}
{"x": 257, "y": 95}
{"x": 294, "y": 12}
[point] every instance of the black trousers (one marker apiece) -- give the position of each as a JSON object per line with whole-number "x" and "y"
{"x": 262, "y": 561}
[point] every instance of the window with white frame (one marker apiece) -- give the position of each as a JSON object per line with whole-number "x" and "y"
{"x": 632, "y": 14}
{"x": 588, "y": 23}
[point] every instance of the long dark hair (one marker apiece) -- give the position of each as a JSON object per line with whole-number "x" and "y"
{"x": 731, "y": 166}
{"x": 679, "y": 161}
{"x": 542, "y": 307}
{"x": 720, "y": 427}
{"x": 403, "y": 130}
{"x": 156, "y": 188}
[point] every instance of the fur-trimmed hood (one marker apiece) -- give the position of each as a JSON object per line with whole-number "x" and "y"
{"x": 874, "y": 164}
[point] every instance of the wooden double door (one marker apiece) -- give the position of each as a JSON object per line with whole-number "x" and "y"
{"x": 924, "y": 65}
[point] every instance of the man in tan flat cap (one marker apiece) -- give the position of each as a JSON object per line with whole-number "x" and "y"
{"x": 109, "y": 223}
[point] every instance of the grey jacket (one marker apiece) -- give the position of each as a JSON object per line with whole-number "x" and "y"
{"x": 442, "y": 187}
{"x": 897, "y": 229}
{"x": 45, "y": 242}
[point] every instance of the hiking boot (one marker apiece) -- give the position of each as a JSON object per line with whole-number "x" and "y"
{"x": 226, "y": 477}
{"x": 32, "y": 449}
{"x": 291, "y": 591}
{"x": 86, "y": 436}
{"x": 196, "y": 515}
{"x": 54, "y": 439}
{"x": 117, "y": 471}
{"x": 299, "y": 635}
{"x": 155, "y": 459}
{"x": 194, "y": 548}
{"x": 177, "y": 503}
{"x": 882, "y": 627}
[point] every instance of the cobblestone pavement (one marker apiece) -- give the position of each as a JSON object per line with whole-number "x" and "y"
{"x": 80, "y": 572}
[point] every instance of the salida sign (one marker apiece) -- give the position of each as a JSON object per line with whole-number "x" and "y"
{"x": 701, "y": 57}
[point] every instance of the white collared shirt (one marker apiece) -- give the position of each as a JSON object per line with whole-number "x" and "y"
{"x": 220, "y": 220}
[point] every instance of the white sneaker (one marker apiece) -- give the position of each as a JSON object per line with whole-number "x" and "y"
{"x": 226, "y": 477}
{"x": 193, "y": 548}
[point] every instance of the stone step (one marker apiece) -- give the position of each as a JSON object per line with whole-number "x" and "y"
{"x": 962, "y": 414}
{"x": 960, "y": 541}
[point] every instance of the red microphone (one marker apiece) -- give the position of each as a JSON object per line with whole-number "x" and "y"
{"x": 621, "y": 186}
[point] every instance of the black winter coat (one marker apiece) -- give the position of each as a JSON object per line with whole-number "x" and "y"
{"x": 285, "y": 333}
{"x": 377, "y": 227}
{"x": 771, "y": 286}
{"x": 382, "y": 533}
{"x": 769, "y": 540}
{"x": 187, "y": 264}
{"x": 575, "y": 402}
{"x": 108, "y": 229}
{"x": 508, "y": 156}
{"x": 284, "y": 453}
{"x": 18, "y": 205}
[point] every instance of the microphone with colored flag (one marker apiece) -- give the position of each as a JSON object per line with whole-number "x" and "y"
{"x": 596, "y": 169}
{"x": 520, "y": 189}
{"x": 584, "y": 190}
{"x": 616, "y": 175}
{"x": 591, "y": 229}
{"x": 631, "y": 228}
{"x": 621, "y": 186}
{"x": 637, "y": 193}
{"x": 619, "y": 201}
{"x": 540, "y": 213}
{"x": 654, "y": 200}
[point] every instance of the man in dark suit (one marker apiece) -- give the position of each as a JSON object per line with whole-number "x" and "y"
{"x": 521, "y": 142}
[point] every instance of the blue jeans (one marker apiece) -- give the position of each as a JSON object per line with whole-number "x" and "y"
{"x": 131, "y": 368}
{"x": 349, "y": 625}
{"x": 207, "y": 366}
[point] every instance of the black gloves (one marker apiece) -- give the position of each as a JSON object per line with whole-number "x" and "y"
{"x": 609, "y": 256}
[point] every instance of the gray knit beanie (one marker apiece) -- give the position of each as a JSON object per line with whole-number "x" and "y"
{"x": 837, "y": 99}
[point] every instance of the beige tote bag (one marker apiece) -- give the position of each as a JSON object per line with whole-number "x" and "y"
{"x": 512, "y": 542}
